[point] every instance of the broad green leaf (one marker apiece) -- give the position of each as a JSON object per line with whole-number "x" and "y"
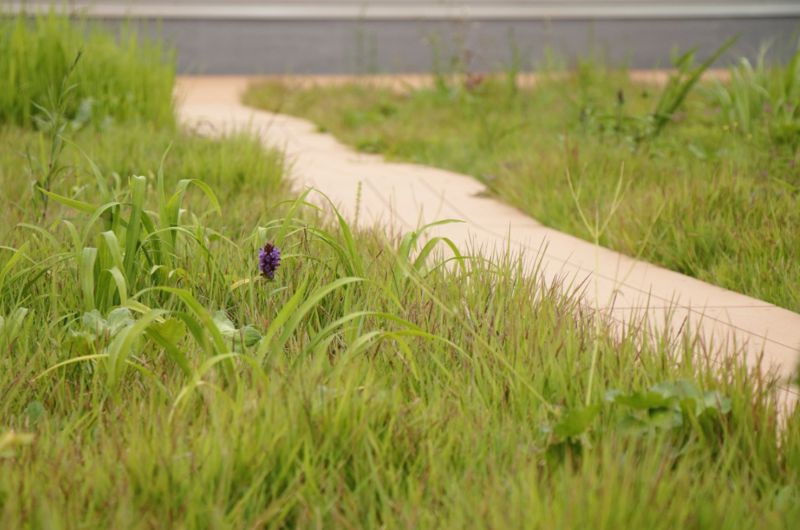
{"x": 118, "y": 319}
{"x": 224, "y": 324}
{"x": 125, "y": 342}
{"x": 644, "y": 400}
{"x": 119, "y": 281}
{"x": 576, "y": 421}
{"x": 138, "y": 187}
{"x": 251, "y": 336}
{"x": 86, "y": 268}
{"x": 171, "y": 329}
{"x": 34, "y": 412}
{"x": 94, "y": 322}
{"x": 168, "y": 333}
{"x": 75, "y": 204}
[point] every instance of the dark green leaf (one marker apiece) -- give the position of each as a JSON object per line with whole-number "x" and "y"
{"x": 576, "y": 421}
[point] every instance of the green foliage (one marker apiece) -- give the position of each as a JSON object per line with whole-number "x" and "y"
{"x": 762, "y": 99}
{"x": 588, "y": 124}
{"x": 637, "y": 128}
{"x": 674, "y": 407}
{"x": 150, "y": 377}
{"x": 53, "y": 123}
{"x": 680, "y": 84}
{"x": 388, "y": 383}
{"x": 11, "y": 326}
{"x": 678, "y": 405}
{"x": 129, "y": 79}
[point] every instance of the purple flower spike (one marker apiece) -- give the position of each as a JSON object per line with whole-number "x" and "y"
{"x": 269, "y": 259}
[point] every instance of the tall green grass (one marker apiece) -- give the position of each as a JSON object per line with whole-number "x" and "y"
{"x": 700, "y": 197}
{"x": 114, "y": 79}
{"x": 151, "y": 377}
{"x": 762, "y": 99}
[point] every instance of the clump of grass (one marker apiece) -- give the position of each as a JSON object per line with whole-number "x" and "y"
{"x": 125, "y": 79}
{"x": 762, "y": 99}
{"x": 698, "y": 199}
{"x": 247, "y": 177}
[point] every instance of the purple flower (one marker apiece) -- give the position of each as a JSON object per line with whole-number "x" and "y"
{"x": 269, "y": 259}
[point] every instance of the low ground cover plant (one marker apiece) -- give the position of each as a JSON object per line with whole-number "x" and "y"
{"x": 185, "y": 342}
{"x": 709, "y": 171}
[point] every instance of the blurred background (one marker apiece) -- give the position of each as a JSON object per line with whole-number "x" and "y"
{"x": 394, "y": 36}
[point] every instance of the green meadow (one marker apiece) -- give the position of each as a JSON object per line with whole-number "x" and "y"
{"x": 700, "y": 177}
{"x": 151, "y": 376}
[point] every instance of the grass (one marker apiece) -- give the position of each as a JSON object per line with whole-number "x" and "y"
{"x": 114, "y": 79}
{"x": 152, "y": 378}
{"x": 404, "y": 398}
{"x": 705, "y": 194}
{"x": 251, "y": 177}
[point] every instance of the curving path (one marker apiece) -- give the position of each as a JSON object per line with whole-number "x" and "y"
{"x": 401, "y": 197}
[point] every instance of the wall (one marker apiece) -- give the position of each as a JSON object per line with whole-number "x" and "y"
{"x": 337, "y": 36}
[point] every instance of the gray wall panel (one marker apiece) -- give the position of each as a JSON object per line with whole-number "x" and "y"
{"x": 377, "y": 46}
